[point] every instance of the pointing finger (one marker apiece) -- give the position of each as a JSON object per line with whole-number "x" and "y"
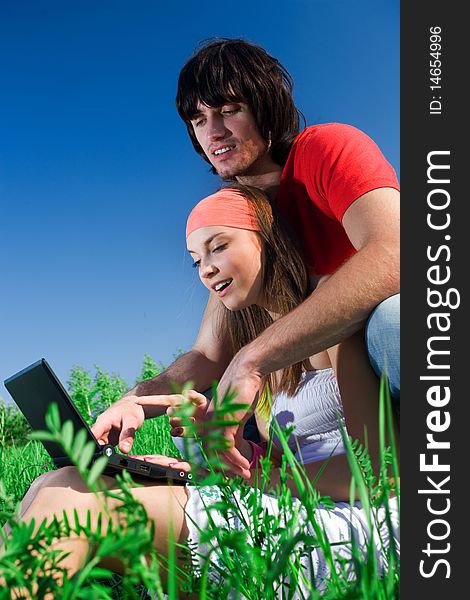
{"x": 127, "y": 435}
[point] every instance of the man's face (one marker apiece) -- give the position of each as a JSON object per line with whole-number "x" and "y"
{"x": 230, "y": 139}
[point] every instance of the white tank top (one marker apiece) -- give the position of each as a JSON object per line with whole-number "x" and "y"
{"x": 314, "y": 412}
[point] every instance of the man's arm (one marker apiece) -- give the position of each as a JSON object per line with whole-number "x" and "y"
{"x": 341, "y": 305}
{"x": 201, "y": 365}
{"x": 335, "y": 310}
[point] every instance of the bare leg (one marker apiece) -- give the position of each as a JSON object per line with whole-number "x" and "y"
{"x": 359, "y": 387}
{"x": 64, "y": 490}
{"x": 28, "y": 499}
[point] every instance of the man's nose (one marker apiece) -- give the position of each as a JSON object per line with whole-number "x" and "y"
{"x": 216, "y": 129}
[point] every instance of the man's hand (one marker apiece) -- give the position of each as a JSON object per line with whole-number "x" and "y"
{"x": 242, "y": 379}
{"x": 118, "y": 423}
{"x": 236, "y": 379}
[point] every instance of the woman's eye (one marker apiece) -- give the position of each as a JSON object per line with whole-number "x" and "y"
{"x": 219, "y": 248}
{"x": 196, "y": 264}
{"x": 198, "y": 122}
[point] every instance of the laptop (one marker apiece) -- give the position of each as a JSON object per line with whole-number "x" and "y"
{"x": 37, "y": 386}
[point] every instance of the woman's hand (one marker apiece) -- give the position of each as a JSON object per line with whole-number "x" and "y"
{"x": 199, "y": 404}
{"x": 200, "y": 416}
{"x": 118, "y": 424}
{"x": 165, "y": 461}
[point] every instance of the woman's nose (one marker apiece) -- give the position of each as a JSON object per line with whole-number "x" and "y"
{"x": 208, "y": 270}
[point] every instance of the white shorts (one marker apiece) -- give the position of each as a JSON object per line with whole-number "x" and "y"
{"x": 338, "y": 524}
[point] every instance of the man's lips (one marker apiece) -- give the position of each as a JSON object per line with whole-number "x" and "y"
{"x": 222, "y": 151}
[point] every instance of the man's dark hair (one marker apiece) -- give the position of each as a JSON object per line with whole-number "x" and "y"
{"x": 233, "y": 70}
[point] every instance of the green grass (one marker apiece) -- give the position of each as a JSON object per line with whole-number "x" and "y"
{"x": 254, "y": 562}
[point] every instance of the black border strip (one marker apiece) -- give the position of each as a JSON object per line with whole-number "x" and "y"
{"x": 432, "y": 134}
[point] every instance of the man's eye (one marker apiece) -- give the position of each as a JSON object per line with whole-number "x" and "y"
{"x": 198, "y": 122}
{"x": 230, "y": 111}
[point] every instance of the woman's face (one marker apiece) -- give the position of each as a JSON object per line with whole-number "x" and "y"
{"x": 229, "y": 261}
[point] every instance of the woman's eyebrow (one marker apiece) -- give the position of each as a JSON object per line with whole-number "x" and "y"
{"x": 208, "y": 241}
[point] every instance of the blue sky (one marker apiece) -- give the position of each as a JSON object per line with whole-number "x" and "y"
{"x": 97, "y": 174}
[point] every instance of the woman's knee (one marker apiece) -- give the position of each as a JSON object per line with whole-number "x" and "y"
{"x": 65, "y": 477}
{"x": 56, "y": 491}
{"x": 50, "y": 479}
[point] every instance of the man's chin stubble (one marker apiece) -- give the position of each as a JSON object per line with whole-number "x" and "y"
{"x": 233, "y": 174}
{"x": 230, "y": 176}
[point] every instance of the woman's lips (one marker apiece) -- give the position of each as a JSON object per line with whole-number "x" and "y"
{"x": 222, "y": 293}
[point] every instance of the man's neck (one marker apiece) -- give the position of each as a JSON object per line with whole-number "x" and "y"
{"x": 268, "y": 182}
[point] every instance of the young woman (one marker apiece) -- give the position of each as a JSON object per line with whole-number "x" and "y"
{"x": 246, "y": 259}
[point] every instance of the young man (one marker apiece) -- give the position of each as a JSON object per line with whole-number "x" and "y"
{"x": 331, "y": 184}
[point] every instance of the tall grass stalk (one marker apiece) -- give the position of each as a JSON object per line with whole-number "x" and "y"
{"x": 261, "y": 559}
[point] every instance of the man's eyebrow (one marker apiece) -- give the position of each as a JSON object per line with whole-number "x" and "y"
{"x": 208, "y": 241}
{"x": 198, "y": 112}
{"x": 201, "y": 111}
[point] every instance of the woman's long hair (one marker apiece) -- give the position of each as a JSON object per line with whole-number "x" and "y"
{"x": 284, "y": 279}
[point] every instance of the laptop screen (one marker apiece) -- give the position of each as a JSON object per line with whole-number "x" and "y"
{"x": 33, "y": 389}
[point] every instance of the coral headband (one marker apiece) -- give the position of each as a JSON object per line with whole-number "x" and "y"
{"x": 226, "y": 208}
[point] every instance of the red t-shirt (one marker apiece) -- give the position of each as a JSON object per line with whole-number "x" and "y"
{"x": 328, "y": 167}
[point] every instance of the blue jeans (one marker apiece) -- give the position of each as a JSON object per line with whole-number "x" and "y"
{"x": 383, "y": 341}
